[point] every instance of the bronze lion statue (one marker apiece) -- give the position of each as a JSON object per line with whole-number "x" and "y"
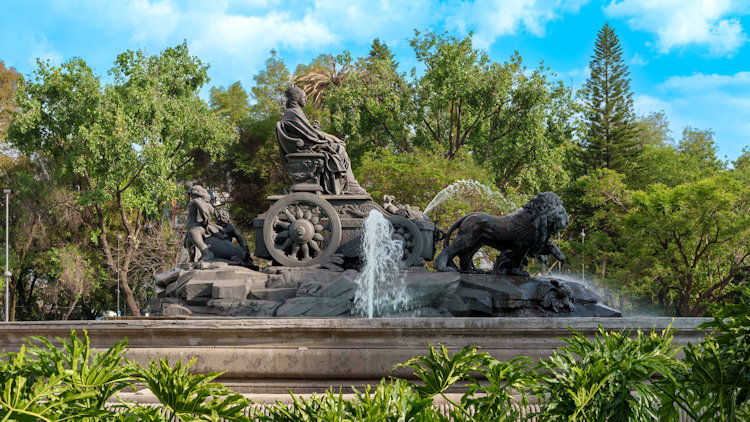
{"x": 518, "y": 235}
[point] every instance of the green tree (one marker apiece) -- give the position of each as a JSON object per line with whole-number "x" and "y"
{"x": 456, "y": 91}
{"x": 43, "y": 215}
{"x": 698, "y": 152}
{"x": 689, "y": 243}
{"x": 125, "y": 144}
{"x": 742, "y": 163}
{"x": 231, "y": 102}
{"x": 598, "y": 204}
{"x": 658, "y": 160}
{"x": 324, "y": 74}
{"x": 427, "y": 172}
{"x": 75, "y": 277}
{"x": 252, "y": 164}
{"x": 516, "y": 122}
{"x": 268, "y": 98}
{"x": 662, "y": 160}
{"x": 374, "y": 107}
{"x": 610, "y": 141}
{"x": 8, "y": 81}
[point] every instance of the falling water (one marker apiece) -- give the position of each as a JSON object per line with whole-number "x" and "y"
{"x": 381, "y": 289}
{"x": 467, "y": 186}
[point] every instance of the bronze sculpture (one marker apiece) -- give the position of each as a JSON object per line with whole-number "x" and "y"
{"x": 336, "y": 177}
{"x": 524, "y": 232}
{"x": 210, "y": 242}
{"x": 199, "y": 225}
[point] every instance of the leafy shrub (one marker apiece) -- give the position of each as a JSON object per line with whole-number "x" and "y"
{"x": 714, "y": 383}
{"x": 66, "y": 383}
{"x": 489, "y": 397}
{"x": 191, "y": 397}
{"x": 607, "y": 378}
{"x": 615, "y": 377}
{"x": 393, "y": 401}
{"x": 495, "y": 400}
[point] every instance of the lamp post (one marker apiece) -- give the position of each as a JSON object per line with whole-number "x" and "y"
{"x": 583, "y": 266}
{"x": 6, "y": 274}
{"x": 119, "y": 238}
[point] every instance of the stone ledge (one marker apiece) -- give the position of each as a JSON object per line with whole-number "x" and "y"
{"x": 306, "y": 355}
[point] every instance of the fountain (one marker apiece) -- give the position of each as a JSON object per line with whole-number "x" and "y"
{"x": 467, "y": 186}
{"x": 380, "y": 286}
{"x": 336, "y": 253}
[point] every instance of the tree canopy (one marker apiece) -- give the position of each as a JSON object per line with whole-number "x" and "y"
{"x": 122, "y": 145}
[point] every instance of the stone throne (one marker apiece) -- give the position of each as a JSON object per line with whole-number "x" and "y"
{"x": 302, "y": 164}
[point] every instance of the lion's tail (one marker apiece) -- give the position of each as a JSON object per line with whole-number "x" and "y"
{"x": 453, "y": 228}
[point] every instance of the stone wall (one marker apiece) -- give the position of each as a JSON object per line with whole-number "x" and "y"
{"x": 270, "y": 356}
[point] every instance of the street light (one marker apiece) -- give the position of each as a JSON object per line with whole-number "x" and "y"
{"x": 6, "y": 274}
{"x": 119, "y": 238}
{"x": 583, "y": 265}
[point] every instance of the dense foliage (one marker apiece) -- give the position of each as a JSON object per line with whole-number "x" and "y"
{"x": 614, "y": 376}
{"x": 664, "y": 218}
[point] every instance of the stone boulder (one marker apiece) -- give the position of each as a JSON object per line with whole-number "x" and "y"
{"x": 314, "y": 307}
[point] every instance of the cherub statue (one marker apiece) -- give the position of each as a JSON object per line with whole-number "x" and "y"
{"x": 199, "y": 225}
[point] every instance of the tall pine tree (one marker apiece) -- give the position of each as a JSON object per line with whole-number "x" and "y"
{"x": 611, "y": 142}
{"x": 380, "y": 51}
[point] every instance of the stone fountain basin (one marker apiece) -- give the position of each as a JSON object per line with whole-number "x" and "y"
{"x": 273, "y": 355}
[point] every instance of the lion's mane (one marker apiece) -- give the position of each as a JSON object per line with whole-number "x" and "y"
{"x": 541, "y": 208}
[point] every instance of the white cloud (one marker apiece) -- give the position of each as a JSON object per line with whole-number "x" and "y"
{"x": 679, "y": 23}
{"x": 575, "y": 77}
{"x": 705, "y": 101}
{"x": 739, "y": 83}
{"x": 237, "y": 35}
{"x": 150, "y": 20}
{"x": 638, "y": 60}
{"x": 41, "y": 49}
{"x": 365, "y": 20}
{"x": 490, "y": 19}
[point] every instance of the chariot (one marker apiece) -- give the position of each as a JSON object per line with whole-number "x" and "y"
{"x": 306, "y": 228}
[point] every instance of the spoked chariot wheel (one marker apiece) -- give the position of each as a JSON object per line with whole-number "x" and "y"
{"x": 407, "y": 232}
{"x": 302, "y": 229}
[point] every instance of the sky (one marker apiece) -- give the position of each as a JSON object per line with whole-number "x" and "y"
{"x": 687, "y": 58}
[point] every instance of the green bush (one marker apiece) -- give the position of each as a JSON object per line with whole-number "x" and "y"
{"x": 46, "y": 383}
{"x": 393, "y": 401}
{"x": 191, "y": 397}
{"x": 714, "y": 383}
{"x": 606, "y": 379}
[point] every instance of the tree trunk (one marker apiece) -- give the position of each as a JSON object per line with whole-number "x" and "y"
{"x": 129, "y": 298}
{"x": 70, "y": 309}
{"x": 12, "y": 304}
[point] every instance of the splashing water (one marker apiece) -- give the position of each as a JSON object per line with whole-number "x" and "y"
{"x": 381, "y": 287}
{"x": 468, "y": 186}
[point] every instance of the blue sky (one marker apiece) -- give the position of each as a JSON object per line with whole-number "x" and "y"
{"x": 689, "y": 58}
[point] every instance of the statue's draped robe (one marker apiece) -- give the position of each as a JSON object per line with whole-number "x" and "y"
{"x": 337, "y": 177}
{"x": 199, "y": 217}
